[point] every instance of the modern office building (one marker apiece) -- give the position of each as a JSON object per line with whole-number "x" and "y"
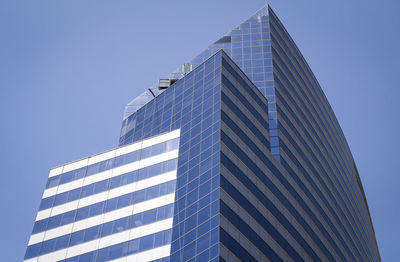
{"x": 237, "y": 156}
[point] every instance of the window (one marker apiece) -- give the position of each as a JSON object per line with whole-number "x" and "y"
{"x": 68, "y": 217}
{"x": 146, "y": 242}
{"x": 77, "y": 238}
{"x": 32, "y": 251}
{"x": 82, "y": 213}
{"x": 111, "y": 204}
{"x": 101, "y": 186}
{"x": 87, "y": 190}
{"x": 121, "y": 225}
{"x": 61, "y": 199}
{"x": 117, "y": 251}
{"x": 46, "y": 203}
{"x": 62, "y": 242}
{"x": 133, "y": 246}
{"x": 106, "y": 229}
{"x": 47, "y": 246}
{"x": 92, "y": 233}
{"x": 124, "y": 200}
{"x": 53, "y": 181}
{"x": 54, "y": 221}
{"x": 149, "y": 216}
{"x": 88, "y": 257}
{"x": 96, "y": 209}
{"x": 74, "y": 194}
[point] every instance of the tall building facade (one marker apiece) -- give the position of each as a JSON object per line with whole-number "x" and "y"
{"x": 235, "y": 157}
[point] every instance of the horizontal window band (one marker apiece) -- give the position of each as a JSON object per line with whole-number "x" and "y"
{"x": 102, "y": 218}
{"x": 158, "y": 254}
{"x": 108, "y": 184}
{"x": 110, "y": 173}
{"x": 103, "y": 196}
{"x": 135, "y": 240}
{"x": 99, "y": 231}
{"x": 114, "y": 152}
{"x": 104, "y": 206}
{"x": 111, "y": 163}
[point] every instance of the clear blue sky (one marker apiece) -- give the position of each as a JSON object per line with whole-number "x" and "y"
{"x": 67, "y": 68}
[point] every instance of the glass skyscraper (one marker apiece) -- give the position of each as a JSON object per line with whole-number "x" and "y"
{"x": 239, "y": 157}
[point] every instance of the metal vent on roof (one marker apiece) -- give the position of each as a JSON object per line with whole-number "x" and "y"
{"x": 165, "y": 83}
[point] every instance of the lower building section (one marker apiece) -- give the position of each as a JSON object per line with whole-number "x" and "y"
{"x": 116, "y": 205}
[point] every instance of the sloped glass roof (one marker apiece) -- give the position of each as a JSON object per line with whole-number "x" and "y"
{"x": 249, "y": 46}
{"x": 227, "y": 42}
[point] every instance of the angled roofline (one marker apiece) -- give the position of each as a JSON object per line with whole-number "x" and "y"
{"x": 137, "y": 102}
